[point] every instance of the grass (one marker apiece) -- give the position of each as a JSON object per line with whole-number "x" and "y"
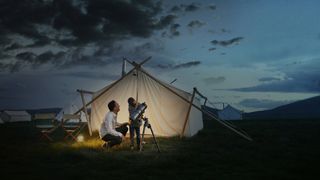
{"x": 280, "y": 150}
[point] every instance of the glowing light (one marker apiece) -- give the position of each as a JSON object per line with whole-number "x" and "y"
{"x": 80, "y": 138}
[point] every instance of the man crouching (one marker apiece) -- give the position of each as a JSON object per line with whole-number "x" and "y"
{"x": 111, "y": 131}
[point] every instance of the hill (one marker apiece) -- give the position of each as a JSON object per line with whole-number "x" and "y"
{"x": 304, "y": 109}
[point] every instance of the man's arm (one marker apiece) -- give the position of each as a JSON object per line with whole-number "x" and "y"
{"x": 108, "y": 124}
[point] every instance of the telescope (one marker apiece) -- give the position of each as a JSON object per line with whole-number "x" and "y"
{"x": 139, "y": 111}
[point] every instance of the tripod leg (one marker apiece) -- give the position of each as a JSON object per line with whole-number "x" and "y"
{"x": 154, "y": 138}
{"x": 142, "y": 138}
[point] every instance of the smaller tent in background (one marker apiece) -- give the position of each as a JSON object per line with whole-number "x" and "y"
{"x": 49, "y": 113}
{"x": 230, "y": 113}
{"x": 15, "y": 116}
{"x": 213, "y": 111}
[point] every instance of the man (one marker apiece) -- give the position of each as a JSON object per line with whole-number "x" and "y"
{"x": 111, "y": 131}
{"x": 134, "y": 124}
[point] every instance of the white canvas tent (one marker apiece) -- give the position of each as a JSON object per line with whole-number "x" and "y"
{"x": 230, "y": 113}
{"x": 166, "y": 111}
{"x": 15, "y": 116}
{"x": 171, "y": 111}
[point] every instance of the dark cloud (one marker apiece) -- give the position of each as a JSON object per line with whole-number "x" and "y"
{"x": 196, "y": 24}
{"x": 187, "y": 65}
{"x": 227, "y": 42}
{"x": 185, "y": 8}
{"x": 268, "y": 79}
{"x": 33, "y": 60}
{"x": 262, "y": 103}
{"x": 166, "y": 21}
{"x": 13, "y": 46}
{"x": 4, "y": 56}
{"x": 174, "y": 30}
{"x": 74, "y": 24}
{"x": 179, "y": 66}
{"x": 212, "y": 49}
{"x": 191, "y": 7}
{"x": 29, "y": 57}
{"x": 175, "y": 9}
{"x": 214, "y": 80}
{"x": 107, "y": 51}
{"x": 212, "y": 7}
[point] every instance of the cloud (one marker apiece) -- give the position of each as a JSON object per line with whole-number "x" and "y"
{"x": 175, "y": 9}
{"x": 262, "y": 103}
{"x": 191, "y": 7}
{"x": 212, "y": 49}
{"x": 303, "y": 77}
{"x": 212, "y": 7}
{"x": 232, "y": 41}
{"x": 13, "y": 46}
{"x": 187, "y": 65}
{"x": 185, "y": 8}
{"x": 179, "y": 66}
{"x": 301, "y": 83}
{"x": 214, "y": 80}
{"x": 196, "y": 24}
{"x": 174, "y": 30}
{"x": 62, "y": 24}
{"x": 268, "y": 79}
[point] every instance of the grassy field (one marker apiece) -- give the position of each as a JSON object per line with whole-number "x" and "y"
{"x": 280, "y": 150}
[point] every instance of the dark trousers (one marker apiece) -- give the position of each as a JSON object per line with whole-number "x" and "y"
{"x": 135, "y": 130}
{"x": 114, "y": 140}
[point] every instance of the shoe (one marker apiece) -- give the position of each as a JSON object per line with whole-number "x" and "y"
{"x": 104, "y": 145}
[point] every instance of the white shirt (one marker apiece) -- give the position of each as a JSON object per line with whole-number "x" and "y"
{"x": 109, "y": 124}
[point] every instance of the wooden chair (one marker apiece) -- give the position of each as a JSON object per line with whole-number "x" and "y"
{"x": 71, "y": 124}
{"x": 47, "y": 124}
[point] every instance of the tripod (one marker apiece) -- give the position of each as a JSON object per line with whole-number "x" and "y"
{"x": 148, "y": 125}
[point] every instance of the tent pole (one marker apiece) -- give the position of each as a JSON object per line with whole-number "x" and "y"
{"x": 86, "y": 113}
{"x": 84, "y": 91}
{"x": 124, "y": 66}
{"x": 188, "y": 113}
{"x": 215, "y": 118}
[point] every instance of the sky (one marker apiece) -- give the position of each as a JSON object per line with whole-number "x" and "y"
{"x": 251, "y": 54}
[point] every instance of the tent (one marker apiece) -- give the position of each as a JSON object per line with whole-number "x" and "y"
{"x": 168, "y": 114}
{"x": 1, "y": 121}
{"x": 44, "y": 113}
{"x": 15, "y": 116}
{"x": 230, "y": 113}
{"x": 171, "y": 111}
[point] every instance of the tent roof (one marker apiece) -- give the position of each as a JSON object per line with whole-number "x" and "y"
{"x": 17, "y": 113}
{"x": 44, "y": 111}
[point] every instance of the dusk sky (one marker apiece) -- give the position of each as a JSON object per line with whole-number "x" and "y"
{"x": 252, "y": 54}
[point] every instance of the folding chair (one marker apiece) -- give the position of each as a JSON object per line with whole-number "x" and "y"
{"x": 47, "y": 124}
{"x": 71, "y": 124}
